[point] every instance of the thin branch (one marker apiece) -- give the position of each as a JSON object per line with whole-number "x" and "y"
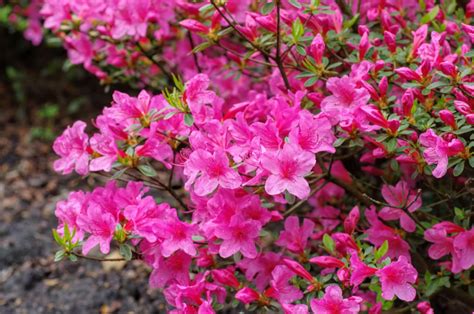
{"x": 278, "y": 48}
{"x": 195, "y": 57}
{"x": 231, "y": 24}
{"x": 98, "y": 259}
{"x": 157, "y": 63}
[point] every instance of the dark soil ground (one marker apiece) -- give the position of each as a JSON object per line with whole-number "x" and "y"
{"x": 30, "y": 281}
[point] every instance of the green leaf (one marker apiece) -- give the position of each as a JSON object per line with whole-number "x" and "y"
{"x": 328, "y": 243}
{"x": 297, "y": 30}
{"x": 391, "y": 145}
{"x": 458, "y": 169}
{"x": 72, "y": 258}
{"x": 267, "y": 7}
{"x": 311, "y": 81}
{"x": 339, "y": 142}
{"x": 428, "y": 17}
{"x": 59, "y": 240}
{"x": 290, "y": 198}
{"x": 295, "y": 3}
{"x": 352, "y": 21}
{"x": 301, "y": 50}
{"x": 381, "y": 251}
{"x": 59, "y": 255}
{"x": 126, "y": 251}
{"x": 188, "y": 119}
{"x": 471, "y": 162}
{"x": 459, "y": 212}
{"x": 436, "y": 84}
{"x": 147, "y": 170}
{"x": 119, "y": 173}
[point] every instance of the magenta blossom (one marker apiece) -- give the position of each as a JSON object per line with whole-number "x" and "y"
{"x": 396, "y": 279}
{"x": 402, "y": 198}
{"x": 101, "y": 226}
{"x": 214, "y": 171}
{"x": 72, "y": 148}
{"x": 294, "y": 237}
{"x": 287, "y": 169}
{"x": 438, "y": 151}
{"x": 239, "y": 235}
{"x": 314, "y": 134}
{"x": 334, "y": 303}
{"x": 359, "y": 270}
{"x": 280, "y": 288}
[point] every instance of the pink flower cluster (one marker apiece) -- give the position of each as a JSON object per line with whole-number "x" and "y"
{"x": 311, "y": 160}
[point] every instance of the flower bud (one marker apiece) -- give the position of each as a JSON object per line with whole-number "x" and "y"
{"x": 327, "y": 262}
{"x": 408, "y": 74}
{"x": 383, "y": 86}
{"x": 317, "y": 49}
{"x": 351, "y": 220}
{"x": 225, "y": 277}
{"x": 389, "y": 39}
{"x": 448, "y": 118}
{"x": 449, "y": 69}
{"x": 364, "y": 45}
{"x": 194, "y": 26}
{"x": 298, "y": 269}
{"x": 247, "y": 295}
{"x": 375, "y": 116}
{"x": 424, "y": 308}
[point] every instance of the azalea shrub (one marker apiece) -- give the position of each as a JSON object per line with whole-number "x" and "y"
{"x": 281, "y": 156}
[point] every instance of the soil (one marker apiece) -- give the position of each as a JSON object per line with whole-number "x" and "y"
{"x": 30, "y": 281}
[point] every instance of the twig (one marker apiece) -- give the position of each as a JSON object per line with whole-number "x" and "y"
{"x": 195, "y": 57}
{"x": 98, "y": 259}
{"x": 278, "y": 56}
{"x": 231, "y": 24}
{"x": 157, "y": 63}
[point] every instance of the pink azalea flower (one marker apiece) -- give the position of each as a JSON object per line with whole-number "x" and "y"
{"x": 314, "y": 133}
{"x": 68, "y": 212}
{"x": 72, "y": 148}
{"x": 287, "y": 169}
{"x": 345, "y": 96}
{"x": 280, "y": 288}
{"x": 108, "y": 152}
{"x": 398, "y": 196}
{"x": 143, "y": 218}
{"x": 294, "y": 237}
{"x": 396, "y": 279}
{"x": 214, "y": 171}
{"x": 177, "y": 235}
{"x": 438, "y": 151}
{"x": 378, "y": 233}
{"x": 463, "y": 251}
{"x": 333, "y": 302}
{"x": 101, "y": 226}
{"x": 442, "y": 243}
{"x": 359, "y": 271}
{"x": 239, "y": 235}
{"x": 295, "y": 308}
{"x": 197, "y": 97}
{"x": 157, "y": 150}
{"x": 259, "y": 270}
{"x": 172, "y": 269}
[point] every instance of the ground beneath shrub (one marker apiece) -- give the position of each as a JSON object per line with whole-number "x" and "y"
{"x": 30, "y": 281}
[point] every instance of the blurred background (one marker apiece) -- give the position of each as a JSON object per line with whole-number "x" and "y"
{"x": 40, "y": 94}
